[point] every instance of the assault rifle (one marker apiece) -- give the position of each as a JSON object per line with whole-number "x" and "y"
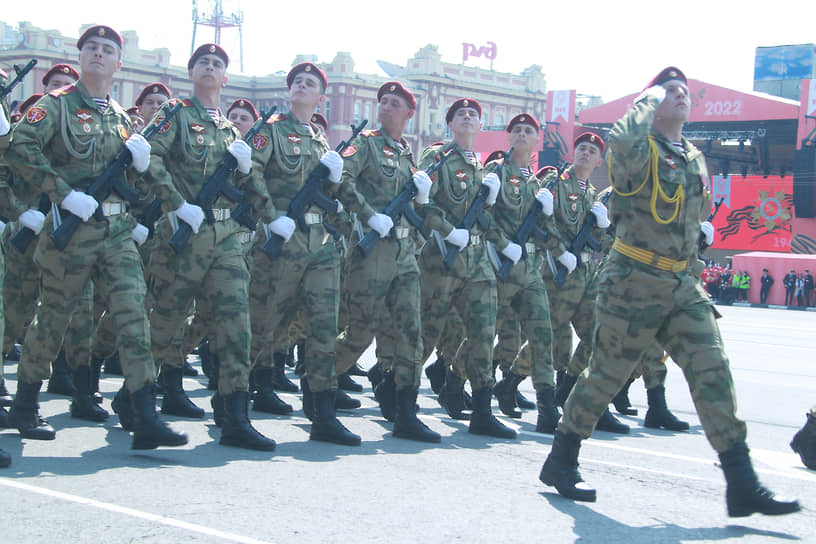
{"x": 217, "y": 185}
{"x": 25, "y": 235}
{"x": 111, "y": 179}
{"x": 20, "y": 74}
{"x": 307, "y": 195}
{"x": 701, "y": 244}
{"x": 583, "y": 239}
{"x": 401, "y": 207}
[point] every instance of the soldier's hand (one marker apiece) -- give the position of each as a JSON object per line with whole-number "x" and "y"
{"x": 334, "y": 162}
{"x": 32, "y": 219}
{"x": 283, "y": 226}
{"x": 139, "y": 149}
{"x": 601, "y": 215}
{"x": 381, "y": 223}
{"x": 568, "y": 260}
{"x": 657, "y": 91}
{"x": 80, "y": 204}
{"x": 191, "y": 214}
{"x": 339, "y": 206}
{"x": 423, "y": 185}
{"x": 708, "y": 231}
{"x": 458, "y": 237}
{"x": 5, "y": 126}
{"x": 492, "y": 182}
{"x": 139, "y": 234}
{"x": 243, "y": 154}
{"x": 512, "y": 252}
{"x": 545, "y": 197}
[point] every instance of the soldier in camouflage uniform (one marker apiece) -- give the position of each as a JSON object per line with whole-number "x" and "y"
{"x": 804, "y": 441}
{"x": 306, "y": 273}
{"x": 211, "y": 265}
{"x": 648, "y": 293}
{"x": 470, "y": 284}
{"x": 60, "y": 147}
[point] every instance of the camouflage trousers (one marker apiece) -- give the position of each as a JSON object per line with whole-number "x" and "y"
{"x": 469, "y": 289}
{"x": 637, "y": 306}
{"x": 305, "y": 276}
{"x": 20, "y": 288}
{"x": 382, "y": 298}
{"x": 211, "y": 269}
{"x": 102, "y": 252}
{"x": 568, "y": 306}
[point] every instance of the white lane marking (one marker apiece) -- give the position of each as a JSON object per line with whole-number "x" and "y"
{"x": 132, "y": 512}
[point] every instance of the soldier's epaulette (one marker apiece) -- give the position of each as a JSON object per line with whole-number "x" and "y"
{"x": 3, "y": 74}
{"x": 62, "y": 91}
{"x": 565, "y": 175}
{"x": 276, "y": 117}
{"x": 369, "y": 133}
{"x": 186, "y": 102}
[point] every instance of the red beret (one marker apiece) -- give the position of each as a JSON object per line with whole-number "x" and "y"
{"x": 60, "y": 69}
{"x": 101, "y": 31}
{"x": 318, "y": 119}
{"x": 306, "y": 67}
{"x": 668, "y": 74}
{"x": 245, "y": 104}
{"x": 30, "y": 101}
{"x": 592, "y": 138}
{"x": 545, "y": 171}
{"x": 395, "y": 87}
{"x": 462, "y": 103}
{"x": 153, "y": 88}
{"x": 523, "y": 118}
{"x": 208, "y": 49}
{"x": 498, "y": 154}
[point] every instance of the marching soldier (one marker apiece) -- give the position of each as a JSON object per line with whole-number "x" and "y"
{"x": 60, "y": 147}
{"x": 648, "y": 293}
{"x": 151, "y": 98}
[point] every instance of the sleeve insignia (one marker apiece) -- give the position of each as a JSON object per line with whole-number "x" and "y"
{"x": 259, "y": 141}
{"x": 35, "y": 115}
{"x": 349, "y": 151}
{"x": 165, "y": 127}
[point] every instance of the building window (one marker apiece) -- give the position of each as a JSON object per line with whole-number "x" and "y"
{"x": 326, "y": 110}
{"x": 356, "y": 112}
{"x": 368, "y": 113}
{"x": 115, "y": 92}
{"x": 498, "y": 119}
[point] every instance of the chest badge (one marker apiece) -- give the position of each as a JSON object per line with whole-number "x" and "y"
{"x": 294, "y": 138}
{"x": 197, "y": 128}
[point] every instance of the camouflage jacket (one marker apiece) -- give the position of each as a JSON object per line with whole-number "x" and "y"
{"x": 571, "y": 205}
{"x": 10, "y": 206}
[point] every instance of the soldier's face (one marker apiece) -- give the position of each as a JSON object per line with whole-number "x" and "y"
{"x": 151, "y": 103}
{"x": 209, "y": 71}
{"x": 587, "y": 155}
{"x": 393, "y": 112}
{"x": 57, "y": 81}
{"x": 241, "y": 118}
{"x": 465, "y": 121}
{"x": 677, "y": 104}
{"x": 523, "y": 138}
{"x": 306, "y": 90}
{"x": 100, "y": 57}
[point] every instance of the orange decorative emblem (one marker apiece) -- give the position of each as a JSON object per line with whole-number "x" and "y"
{"x": 260, "y": 141}
{"x": 294, "y": 138}
{"x": 163, "y": 127}
{"x": 349, "y": 151}
{"x": 35, "y": 115}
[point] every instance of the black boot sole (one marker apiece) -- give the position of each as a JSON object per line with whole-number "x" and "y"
{"x": 565, "y": 490}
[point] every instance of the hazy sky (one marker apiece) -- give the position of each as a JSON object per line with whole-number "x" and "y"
{"x": 601, "y": 48}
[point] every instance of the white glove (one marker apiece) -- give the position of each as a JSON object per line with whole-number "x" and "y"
{"x": 139, "y": 234}
{"x": 243, "y": 154}
{"x": 80, "y": 204}
{"x": 2, "y": 227}
{"x": 5, "y": 126}
{"x": 32, "y": 219}
{"x": 492, "y": 182}
{"x": 705, "y": 227}
{"x": 339, "y": 206}
{"x": 458, "y": 237}
{"x": 381, "y": 223}
{"x": 140, "y": 151}
{"x": 601, "y": 215}
{"x": 191, "y": 214}
{"x": 423, "y": 185}
{"x": 546, "y": 198}
{"x": 657, "y": 91}
{"x": 283, "y": 226}
{"x": 569, "y": 260}
{"x": 512, "y": 252}
{"x": 334, "y": 162}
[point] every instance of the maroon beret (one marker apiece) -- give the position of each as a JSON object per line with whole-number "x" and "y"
{"x": 498, "y": 154}
{"x": 208, "y": 49}
{"x": 30, "y": 101}
{"x": 545, "y": 171}
{"x": 668, "y": 74}
{"x": 318, "y": 119}
{"x": 309, "y": 68}
{"x": 153, "y": 88}
{"x": 525, "y": 119}
{"x": 592, "y": 138}
{"x": 100, "y": 31}
{"x": 395, "y": 87}
{"x": 60, "y": 69}
{"x": 245, "y": 104}
{"x": 462, "y": 103}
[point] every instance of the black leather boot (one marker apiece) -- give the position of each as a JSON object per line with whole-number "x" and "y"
{"x": 219, "y": 414}
{"x": 804, "y": 442}
{"x": 452, "y": 396}
{"x": 122, "y": 407}
{"x": 175, "y": 401}
{"x": 547, "y": 412}
{"x": 386, "y": 395}
{"x": 189, "y": 370}
{"x": 25, "y": 413}
{"x": 279, "y": 379}
{"x": 96, "y": 375}
{"x": 483, "y": 421}
{"x": 356, "y": 370}
{"x": 325, "y": 425}
{"x": 5, "y": 459}
{"x": 561, "y": 469}
{"x": 237, "y": 430}
{"x": 564, "y": 388}
{"x": 113, "y": 365}
{"x": 14, "y": 353}
{"x": 60, "y": 381}
{"x": 609, "y": 423}
{"x": 5, "y": 397}
{"x": 406, "y": 423}
{"x": 375, "y": 375}
{"x": 82, "y": 402}
{"x": 308, "y": 401}
{"x": 505, "y": 392}
{"x": 343, "y": 401}
{"x": 745, "y": 495}
{"x": 621, "y": 401}
{"x": 290, "y": 357}
{"x": 150, "y": 432}
{"x": 264, "y": 399}
{"x": 658, "y": 414}
{"x": 214, "y": 368}
{"x": 523, "y": 402}
{"x": 346, "y": 383}
{"x": 4, "y": 424}
{"x": 436, "y": 374}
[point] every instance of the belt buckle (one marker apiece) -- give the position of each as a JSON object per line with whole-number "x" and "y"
{"x": 530, "y": 247}
{"x": 679, "y": 266}
{"x": 111, "y": 208}
{"x": 311, "y": 218}
{"x": 401, "y": 232}
{"x": 475, "y": 240}
{"x": 221, "y": 214}
{"x": 244, "y": 237}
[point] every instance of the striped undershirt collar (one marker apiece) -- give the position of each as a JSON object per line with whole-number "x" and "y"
{"x": 679, "y": 147}
{"x": 213, "y": 113}
{"x": 101, "y": 103}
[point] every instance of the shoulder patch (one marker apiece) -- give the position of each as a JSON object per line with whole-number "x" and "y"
{"x": 164, "y": 127}
{"x": 369, "y": 133}
{"x": 259, "y": 142}
{"x": 349, "y": 151}
{"x": 62, "y": 91}
{"x": 34, "y": 115}
{"x": 186, "y": 102}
